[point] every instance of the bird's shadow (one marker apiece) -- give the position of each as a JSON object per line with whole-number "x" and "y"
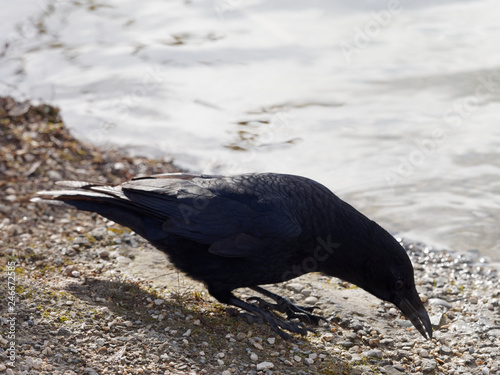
{"x": 136, "y": 302}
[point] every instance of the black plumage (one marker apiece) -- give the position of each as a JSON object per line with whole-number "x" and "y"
{"x": 254, "y": 229}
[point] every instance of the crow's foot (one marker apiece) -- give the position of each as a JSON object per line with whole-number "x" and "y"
{"x": 283, "y": 305}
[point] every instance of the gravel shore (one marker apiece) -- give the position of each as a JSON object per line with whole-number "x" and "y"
{"x": 91, "y": 297}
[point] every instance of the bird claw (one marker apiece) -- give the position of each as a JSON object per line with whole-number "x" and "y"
{"x": 283, "y": 305}
{"x": 278, "y": 325}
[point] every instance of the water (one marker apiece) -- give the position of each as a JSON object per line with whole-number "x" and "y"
{"x": 393, "y": 105}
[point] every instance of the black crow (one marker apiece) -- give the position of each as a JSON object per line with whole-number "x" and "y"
{"x": 253, "y": 229}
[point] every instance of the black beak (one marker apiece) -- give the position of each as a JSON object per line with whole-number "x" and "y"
{"x": 414, "y": 310}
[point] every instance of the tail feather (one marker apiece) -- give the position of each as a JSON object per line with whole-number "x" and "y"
{"x": 108, "y": 201}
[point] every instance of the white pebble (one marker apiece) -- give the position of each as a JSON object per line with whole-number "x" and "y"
{"x": 202, "y": 353}
{"x": 308, "y": 361}
{"x": 271, "y": 340}
{"x": 187, "y": 333}
{"x": 264, "y": 366}
{"x": 37, "y": 364}
{"x": 100, "y": 341}
{"x": 159, "y": 301}
{"x": 254, "y": 357}
{"x": 9, "y": 372}
{"x": 221, "y": 355}
{"x": 47, "y": 351}
{"x": 75, "y": 273}
{"x": 297, "y": 358}
{"x": 197, "y": 322}
{"x": 220, "y": 362}
{"x": 313, "y": 356}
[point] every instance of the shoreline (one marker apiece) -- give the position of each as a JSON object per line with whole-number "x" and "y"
{"x": 92, "y": 297}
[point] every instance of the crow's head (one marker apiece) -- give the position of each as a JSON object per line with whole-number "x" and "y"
{"x": 388, "y": 275}
{"x": 369, "y": 257}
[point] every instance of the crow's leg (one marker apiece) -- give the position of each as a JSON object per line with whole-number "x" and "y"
{"x": 285, "y": 306}
{"x": 261, "y": 315}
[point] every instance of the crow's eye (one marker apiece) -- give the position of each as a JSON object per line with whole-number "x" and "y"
{"x": 399, "y": 284}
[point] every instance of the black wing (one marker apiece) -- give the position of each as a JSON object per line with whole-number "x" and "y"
{"x": 236, "y": 216}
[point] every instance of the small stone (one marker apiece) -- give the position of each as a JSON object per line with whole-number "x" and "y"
{"x": 311, "y": 300}
{"x": 296, "y": 358}
{"x": 308, "y": 361}
{"x": 226, "y": 372}
{"x": 440, "y": 302}
{"x": 47, "y": 351}
{"x": 254, "y": 357}
{"x": 197, "y": 322}
{"x": 159, "y": 302}
{"x": 187, "y": 333}
{"x": 220, "y": 362}
{"x": 438, "y": 320}
{"x": 390, "y": 370}
{"x": 424, "y": 353}
{"x": 241, "y": 336}
{"x": 63, "y": 332}
{"x": 2, "y": 367}
{"x": 9, "y": 372}
{"x": 264, "y": 366}
{"x": 202, "y": 353}
{"x": 104, "y": 254}
{"x": 37, "y": 364}
{"x": 75, "y": 273}
{"x": 295, "y": 287}
{"x": 221, "y": 355}
{"x": 128, "y": 323}
{"x": 54, "y": 175}
{"x": 256, "y": 343}
{"x": 346, "y": 344}
{"x": 100, "y": 341}
{"x": 445, "y": 350}
{"x": 271, "y": 340}
{"x": 429, "y": 366}
{"x": 375, "y": 353}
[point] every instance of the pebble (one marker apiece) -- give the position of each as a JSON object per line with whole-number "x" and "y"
{"x": 264, "y": 366}
{"x": 271, "y": 340}
{"x": 445, "y": 350}
{"x": 9, "y": 372}
{"x": 295, "y": 287}
{"x": 296, "y": 358}
{"x": 2, "y": 367}
{"x": 429, "y": 366}
{"x": 375, "y": 353}
{"x": 241, "y": 336}
{"x": 47, "y": 351}
{"x": 311, "y": 300}
{"x": 440, "y": 302}
{"x": 254, "y": 357}
{"x": 390, "y": 370}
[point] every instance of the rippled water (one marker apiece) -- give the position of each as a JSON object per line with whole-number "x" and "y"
{"x": 393, "y": 105}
